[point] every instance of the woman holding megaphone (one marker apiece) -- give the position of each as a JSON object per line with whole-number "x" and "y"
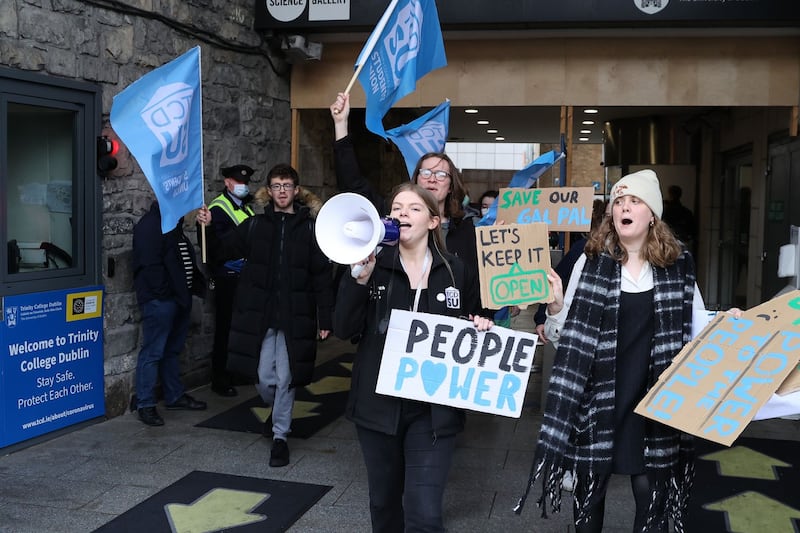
{"x": 407, "y": 445}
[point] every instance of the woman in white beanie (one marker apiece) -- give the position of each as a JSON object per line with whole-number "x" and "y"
{"x": 612, "y": 346}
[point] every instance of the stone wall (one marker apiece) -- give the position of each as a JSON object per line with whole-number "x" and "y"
{"x": 246, "y": 119}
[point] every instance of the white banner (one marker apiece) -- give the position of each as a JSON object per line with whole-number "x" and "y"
{"x": 446, "y": 361}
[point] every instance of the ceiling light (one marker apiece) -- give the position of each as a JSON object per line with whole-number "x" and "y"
{"x": 471, "y": 111}
{"x": 586, "y": 132}
{"x": 483, "y": 122}
{"x": 499, "y": 138}
{"x": 588, "y": 122}
{"x": 590, "y": 111}
{"x": 583, "y": 139}
{"x": 491, "y": 131}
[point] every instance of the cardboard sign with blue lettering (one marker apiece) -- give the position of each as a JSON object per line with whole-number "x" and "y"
{"x": 446, "y": 361}
{"x": 561, "y": 208}
{"x": 720, "y": 380}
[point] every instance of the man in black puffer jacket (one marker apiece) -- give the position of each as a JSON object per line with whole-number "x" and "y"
{"x": 283, "y": 302}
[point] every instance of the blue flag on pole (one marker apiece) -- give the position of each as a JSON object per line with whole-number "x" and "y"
{"x": 159, "y": 118}
{"x": 524, "y": 179}
{"x": 426, "y": 134}
{"x": 406, "y": 45}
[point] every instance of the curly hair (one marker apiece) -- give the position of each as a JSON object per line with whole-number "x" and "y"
{"x": 661, "y": 247}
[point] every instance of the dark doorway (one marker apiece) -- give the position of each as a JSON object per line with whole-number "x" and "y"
{"x": 734, "y": 231}
{"x": 780, "y": 209}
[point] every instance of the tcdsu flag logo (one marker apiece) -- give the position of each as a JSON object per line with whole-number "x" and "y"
{"x": 167, "y": 115}
{"x": 651, "y": 6}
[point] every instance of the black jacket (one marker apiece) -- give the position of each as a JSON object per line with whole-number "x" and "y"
{"x": 286, "y": 283}
{"x": 360, "y": 310}
{"x": 157, "y": 266}
{"x": 460, "y": 238}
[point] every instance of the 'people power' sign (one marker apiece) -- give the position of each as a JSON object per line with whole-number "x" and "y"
{"x": 445, "y": 360}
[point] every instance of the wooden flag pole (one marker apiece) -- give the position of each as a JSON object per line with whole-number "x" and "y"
{"x": 373, "y": 38}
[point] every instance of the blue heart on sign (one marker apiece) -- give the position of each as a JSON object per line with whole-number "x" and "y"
{"x": 433, "y": 375}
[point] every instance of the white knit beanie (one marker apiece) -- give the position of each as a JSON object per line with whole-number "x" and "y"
{"x": 644, "y": 185}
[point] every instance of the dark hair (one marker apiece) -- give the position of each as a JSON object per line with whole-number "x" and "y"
{"x": 491, "y": 193}
{"x": 282, "y": 170}
{"x": 455, "y": 198}
{"x": 598, "y": 213}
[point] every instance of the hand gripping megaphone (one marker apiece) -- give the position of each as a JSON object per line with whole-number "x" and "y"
{"x": 348, "y": 228}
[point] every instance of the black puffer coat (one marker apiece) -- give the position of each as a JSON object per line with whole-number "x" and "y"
{"x": 360, "y": 309}
{"x": 286, "y": 284}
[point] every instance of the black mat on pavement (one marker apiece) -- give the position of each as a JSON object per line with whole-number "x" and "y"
{"x": 206, "y": 501}
{"x": 315, "y": 406}
{"x": 751, "y": 487}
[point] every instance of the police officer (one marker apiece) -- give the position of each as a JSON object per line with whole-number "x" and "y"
{"x": 228, "y": 210}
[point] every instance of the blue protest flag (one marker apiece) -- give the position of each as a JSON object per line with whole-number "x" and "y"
{"x": 159, "y": 118}
{"x": 524, "y": 179}
{"x": 426, "y": 134}
{"x": 406, "y": 45}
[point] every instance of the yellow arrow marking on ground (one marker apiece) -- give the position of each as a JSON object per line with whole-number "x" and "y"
{"x": 752, "y": 512}
{"x": 328, "y": 385}
{"x": 261, "y": 413}
{"x": 300, "y": 410}
{"x": 741, "y": 461}
{"x": 215, "y": 510}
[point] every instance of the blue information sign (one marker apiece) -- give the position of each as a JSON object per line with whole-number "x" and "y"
{"x": 51, "y": 368}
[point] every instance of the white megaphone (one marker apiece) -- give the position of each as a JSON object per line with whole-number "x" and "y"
{"x": 348, "y": 229}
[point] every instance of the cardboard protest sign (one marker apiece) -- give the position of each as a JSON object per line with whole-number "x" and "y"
{"x": 791, "y": 383}
{"x": 561, "y": 208}
{"x": 513, "y": 261}
{"x": 719, "y": 381}
{"x": 446, "y": 361}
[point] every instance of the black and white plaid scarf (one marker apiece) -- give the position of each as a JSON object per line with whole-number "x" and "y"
{"x": 577, "y": 430}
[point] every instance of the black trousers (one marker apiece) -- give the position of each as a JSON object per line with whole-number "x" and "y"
{"x": 224, "y": 293}
{"x": 642, "y": 490}
{"x": 407, "y": 474}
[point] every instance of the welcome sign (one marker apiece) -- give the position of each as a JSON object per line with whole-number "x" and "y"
{"x": 719, "y": 381}
{"x": 446, "y": 361}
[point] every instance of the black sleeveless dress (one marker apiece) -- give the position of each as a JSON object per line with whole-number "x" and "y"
{"x": 634, "y": 343}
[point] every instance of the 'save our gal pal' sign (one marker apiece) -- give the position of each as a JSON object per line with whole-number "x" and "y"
{"x": 446, "y": 361}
